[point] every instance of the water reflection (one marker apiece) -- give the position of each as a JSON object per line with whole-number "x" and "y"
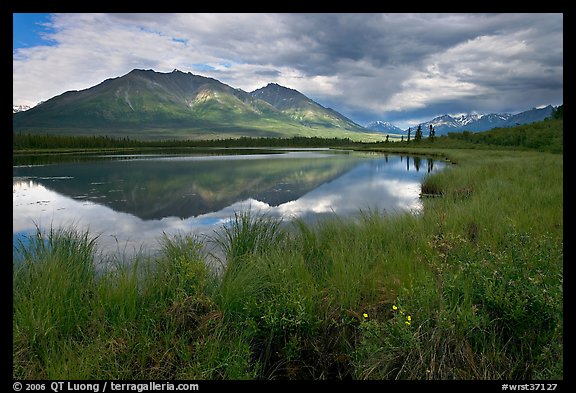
{"x": 131, "y": 202}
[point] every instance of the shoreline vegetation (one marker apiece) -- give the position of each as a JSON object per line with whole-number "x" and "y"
{"x": 470, "y": 289}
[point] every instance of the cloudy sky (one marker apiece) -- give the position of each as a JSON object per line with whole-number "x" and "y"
{"x": 401, "y": 68}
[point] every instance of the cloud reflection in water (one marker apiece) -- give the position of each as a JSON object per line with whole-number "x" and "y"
{"x": 372, "y": 183}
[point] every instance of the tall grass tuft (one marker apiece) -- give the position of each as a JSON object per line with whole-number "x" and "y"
{"x": 247, "y": 234}
{"x": 54, "y": 283}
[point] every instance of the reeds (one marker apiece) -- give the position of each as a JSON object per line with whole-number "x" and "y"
{"x": 479, "y": 272}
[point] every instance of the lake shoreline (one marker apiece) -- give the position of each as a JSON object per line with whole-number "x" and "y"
{"x": 332, "y": 301}
{"x": 129, "y": 200}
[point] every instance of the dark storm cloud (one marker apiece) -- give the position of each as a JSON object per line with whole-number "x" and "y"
{"x": 268, "y": 73}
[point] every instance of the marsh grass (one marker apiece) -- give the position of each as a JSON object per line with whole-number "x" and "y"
{"x": 479, "y": 272}
{"x": 53, "y": 281}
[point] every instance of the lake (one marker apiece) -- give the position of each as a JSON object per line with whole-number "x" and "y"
{"x": 131, "y": 200}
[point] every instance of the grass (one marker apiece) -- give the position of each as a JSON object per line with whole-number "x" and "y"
{"x": 268, "y": 128}
{"x": 479, "y": 272}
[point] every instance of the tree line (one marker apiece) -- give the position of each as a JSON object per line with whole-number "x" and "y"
{"x": 26, "y": 141}
{"x": 546, "y": 135}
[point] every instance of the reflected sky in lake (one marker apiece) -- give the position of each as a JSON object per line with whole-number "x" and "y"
{"x": 129, "y": 202}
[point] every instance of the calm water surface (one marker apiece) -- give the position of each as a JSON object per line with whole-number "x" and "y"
{"x": 130, "y": 201}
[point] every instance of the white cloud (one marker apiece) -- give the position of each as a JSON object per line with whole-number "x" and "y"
{"x": 424, "y": 87}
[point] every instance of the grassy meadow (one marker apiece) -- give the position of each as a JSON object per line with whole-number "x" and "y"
{"x": 469, "y": 289}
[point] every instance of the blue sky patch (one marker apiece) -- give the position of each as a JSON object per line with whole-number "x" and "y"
{"x": 28, "y": 30}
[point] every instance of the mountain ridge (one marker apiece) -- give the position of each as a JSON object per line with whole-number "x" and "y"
{"x": 149, "y": 104}
{"x": 145, "y": 102}
{"x": 475, "y": 122}
{"x": 383, "y": 126}
{"x": 20, "y": 108}
{"x": 301, "y": 108}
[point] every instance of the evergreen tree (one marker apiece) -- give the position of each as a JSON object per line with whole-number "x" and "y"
{"x": 418, "y": 134}
{"x": 558, "y": 113}
{"x": 408, "y": 141}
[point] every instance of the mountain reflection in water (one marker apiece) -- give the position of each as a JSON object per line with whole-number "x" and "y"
{"x": 133, "y": 200}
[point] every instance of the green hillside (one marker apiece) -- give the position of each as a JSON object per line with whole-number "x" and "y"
{"x": 302, "y": 109}
{"x": 145, "y": 104}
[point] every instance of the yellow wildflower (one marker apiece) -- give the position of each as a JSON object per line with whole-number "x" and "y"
{"x": 365, "y": 315}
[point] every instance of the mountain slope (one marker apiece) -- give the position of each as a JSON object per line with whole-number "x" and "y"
{"x": 302, "y": 109}
{"x": 145, "y": 103}
{"x": 145, "y": 97}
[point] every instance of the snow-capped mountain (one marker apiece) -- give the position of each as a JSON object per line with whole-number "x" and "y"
{"x": 465, "y": 119}
{"x": 483, "y": 122}
{"x": 465, "y": 122}
{"x": 383, "y": 126}
{"x": 20, "y": 108}
{"x": 468, "y": 122}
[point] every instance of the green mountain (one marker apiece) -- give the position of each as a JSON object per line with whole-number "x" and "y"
{"x": 145, "y": 104}
{"x": 302, "y": 109}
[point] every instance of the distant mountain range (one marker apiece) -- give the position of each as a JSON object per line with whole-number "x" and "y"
{"x": 384, "y": 126}
{"x": 149, "y": 104}
{"x": 20, "y": 108}
{"x": 469, "y": 122}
